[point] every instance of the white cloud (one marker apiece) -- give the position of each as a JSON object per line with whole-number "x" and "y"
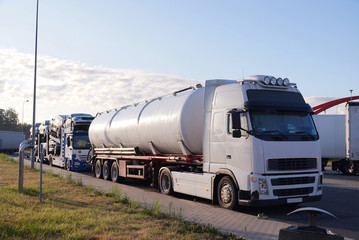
{"x": 65, "y": 87}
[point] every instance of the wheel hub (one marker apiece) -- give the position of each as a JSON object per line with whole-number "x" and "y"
{"x": 165, "y": 183}
{"x": 114, "y": 173}
{"x": 98, "y": 170}
{"x": 105, "y": 171}
{"x": 226, "y": 194}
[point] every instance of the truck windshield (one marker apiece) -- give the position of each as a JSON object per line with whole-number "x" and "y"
{"x": 274, "y": 125}
{"x": 81, "y": 142}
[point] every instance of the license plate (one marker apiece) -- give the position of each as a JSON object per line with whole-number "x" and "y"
{"x": 294, "y": 200}
{"x": 77, "y": 164}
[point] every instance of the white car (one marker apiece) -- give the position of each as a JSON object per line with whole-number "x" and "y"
{"x": 44, "y": 127}
{"x": 79, "y": 121}
{"x": 56, "y": 123}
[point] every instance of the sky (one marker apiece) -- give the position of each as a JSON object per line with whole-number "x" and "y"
{"x": 99, "y": 55}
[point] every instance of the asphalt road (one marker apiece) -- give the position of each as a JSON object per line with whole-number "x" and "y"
{"x": 341, "y": 195}
{"x": 341, "y": 198}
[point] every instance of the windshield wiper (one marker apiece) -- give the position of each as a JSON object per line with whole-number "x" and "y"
{"x": 276, "y": 131}
{"x": 307, "y": 133}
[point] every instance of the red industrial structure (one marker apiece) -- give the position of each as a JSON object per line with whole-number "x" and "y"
{"x": 322, "y": 107}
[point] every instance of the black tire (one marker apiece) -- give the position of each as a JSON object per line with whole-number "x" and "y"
{"x": 348, "y": 168}
{"x": 68, "y": 166}
{"x": 227, "y": 193}
{"x": 165, "y": 182}
{"x": 115, "y": 172}
{"x": 98, "y": 169}
{"x": 106, "y": 170}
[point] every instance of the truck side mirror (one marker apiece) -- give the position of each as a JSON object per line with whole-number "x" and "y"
{"x": 236, "y": 121}
{"x": 235, "y": 124}
{"x": 237, "y": 133}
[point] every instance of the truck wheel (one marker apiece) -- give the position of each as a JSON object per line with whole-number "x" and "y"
{"x": 98, "y": 169}
{"x": 227, "y": 193}
{"x": 114, "y": 172}
{"x": 165, "y": 183}
{"x": 348, "y": 168}
{"x": 106, "y": 170}
{"x": 68, "y": 166}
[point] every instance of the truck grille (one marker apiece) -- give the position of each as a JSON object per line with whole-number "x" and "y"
{"x": 292, "y": 192}
{"x": 292, "y": 181}
{"x": 284, "y": 164}
{"x": 83, "y": 158}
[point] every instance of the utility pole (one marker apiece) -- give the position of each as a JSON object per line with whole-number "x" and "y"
{"x": 22, "y": 122}
{"x": 34, "y": 101}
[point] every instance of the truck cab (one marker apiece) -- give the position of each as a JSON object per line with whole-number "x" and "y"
{"x": 76, "y": 150}
{"x": 260, "y": 146}
{"x": 261, "y": 132}
{"x": 68, "y": 145}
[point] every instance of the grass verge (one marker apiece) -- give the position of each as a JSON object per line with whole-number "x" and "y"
{"x": 70, "y": 211}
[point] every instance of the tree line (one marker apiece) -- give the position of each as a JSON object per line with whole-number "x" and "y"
{"x": 9, "y": 121}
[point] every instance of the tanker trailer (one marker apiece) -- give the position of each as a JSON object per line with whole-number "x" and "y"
{"x": 249, "y": 142}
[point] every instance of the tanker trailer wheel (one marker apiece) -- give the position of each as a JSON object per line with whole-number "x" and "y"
{"x": 227, "y": 193}
{"x": 165, "y": 182}
{"x": 106, "y": 170}
{"x": 98, "y": 169}
{"x": 115, "y": 172}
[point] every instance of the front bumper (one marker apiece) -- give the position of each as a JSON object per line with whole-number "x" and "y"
{"x": 278, "y": 202}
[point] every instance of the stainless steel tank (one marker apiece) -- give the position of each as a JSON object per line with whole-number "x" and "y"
{"x": 164, "y": 122}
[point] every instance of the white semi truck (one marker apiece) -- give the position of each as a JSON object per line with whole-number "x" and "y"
{"x": 249, "y": 142}
{"x": 339, "y": 139}
{"x": 69, "y": 150}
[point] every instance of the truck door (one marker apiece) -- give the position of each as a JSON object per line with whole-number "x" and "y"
{"x": 238, "y": 142}
{"x": 217, "y": 144}
{"x": 69, "y": 146}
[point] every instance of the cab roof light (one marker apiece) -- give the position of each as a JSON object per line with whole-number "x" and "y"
{"x": 266, "y": 80}
{"x": 285, "y": 81}
{"x": 269, "y": 81}
{"x": 273, "y": 81}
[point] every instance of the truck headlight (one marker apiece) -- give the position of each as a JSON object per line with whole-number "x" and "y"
{"x": 263, "y": 187}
